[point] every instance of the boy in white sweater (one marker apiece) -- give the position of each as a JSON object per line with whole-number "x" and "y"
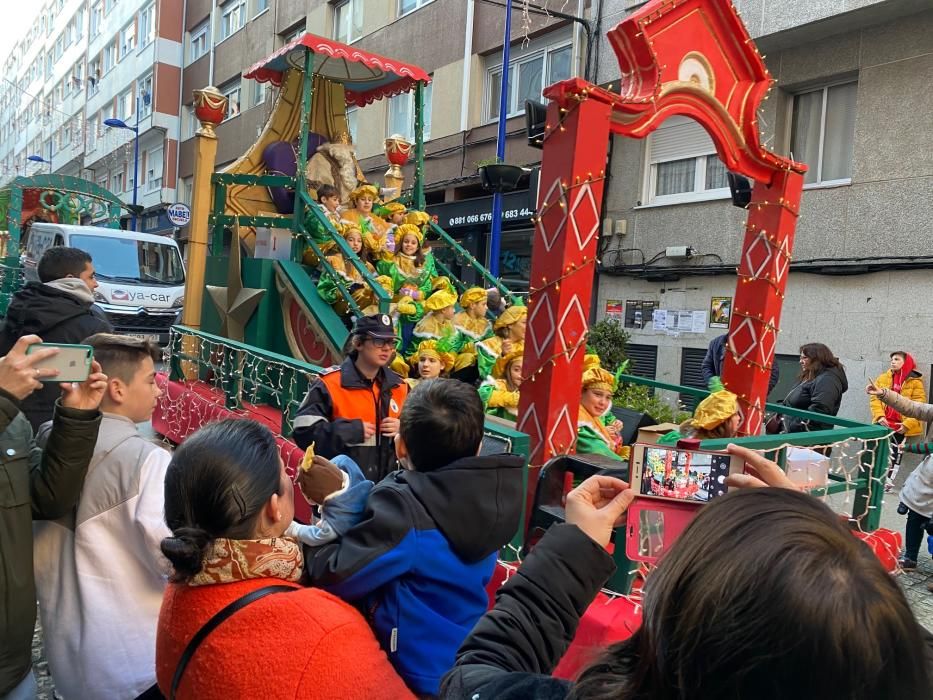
{"x": 100, "y": 574}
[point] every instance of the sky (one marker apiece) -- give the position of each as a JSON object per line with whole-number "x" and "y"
{"x": 17, "y": 17}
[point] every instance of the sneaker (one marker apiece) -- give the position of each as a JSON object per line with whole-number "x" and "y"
{"x": 906, "y": 564}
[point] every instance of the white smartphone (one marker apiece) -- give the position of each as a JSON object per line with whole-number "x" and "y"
{"x": 73, "y": 362}
{"x": 661, "y": 471}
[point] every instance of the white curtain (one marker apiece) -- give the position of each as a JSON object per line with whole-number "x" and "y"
{"x": 805, "y": 132}
{"x": 840, "y": 132}
{"x": 675, "y": 177}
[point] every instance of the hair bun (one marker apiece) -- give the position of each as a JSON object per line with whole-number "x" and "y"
{"x": 185, "y": 549}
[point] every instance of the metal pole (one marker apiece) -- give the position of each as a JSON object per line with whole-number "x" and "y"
{"x": 418, "y": 192}
{"x": 136, "y": 164}
{"x": 496, "y": 233}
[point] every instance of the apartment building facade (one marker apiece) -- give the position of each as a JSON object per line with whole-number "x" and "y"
{"x": 86, "y": 61}
{"x": 459, "y": 42}
{"x": 850, "y": 101}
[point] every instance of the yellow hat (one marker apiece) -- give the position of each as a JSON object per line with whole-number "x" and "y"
{"x": 364, "y": 189}
{"x": 715, "y": 409}
{"x": 432, "y": 348}
{"x": 346, "y": 229}
{"x": 595, "y": 377}
{"x": 441, "y": 299}
{"x": 510, "y": 316}
{"x": 408, "y": 230}
{"x": 394, "y": 208}
{"x": 399, "y": 366}
{"x": 418, "y": 218}
{"x": 472, "y": 296}
{"x": 501, "y": 368}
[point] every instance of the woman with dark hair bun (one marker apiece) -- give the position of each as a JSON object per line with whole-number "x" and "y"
{"x": 765, "y": 596}
{"x": 228, "y": 503}
{"x": 820, "y": 386}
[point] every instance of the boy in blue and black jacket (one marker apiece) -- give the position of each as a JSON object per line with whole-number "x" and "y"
{"x": 419, "y": 560}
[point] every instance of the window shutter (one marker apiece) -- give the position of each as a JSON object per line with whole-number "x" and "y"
{"x": 678, "y": 138}
{"x": 691, "y": 374}
{"x": 644, "y": 360}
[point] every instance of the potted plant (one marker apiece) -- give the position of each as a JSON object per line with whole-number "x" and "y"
{"x": 497, "y": 176}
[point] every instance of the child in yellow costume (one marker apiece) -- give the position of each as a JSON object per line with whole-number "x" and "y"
{"x": 598, "y": 431}
{"x": 432, "y": 359}
{"x": 438, "y": 323}
{"x": 500, "y": 392}
{"x": 394, "y": 215}
{"x": 509, "y": 331}
{"x": 373, "y": 228}
{"x": 716, "y": 416}
{"x": 472, "y": 321}
{"x": 411, "y": 269}
{"x": 347, "y": 276}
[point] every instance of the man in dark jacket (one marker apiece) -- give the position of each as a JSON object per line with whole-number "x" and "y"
{"x": 716, "y": 353}
{"x": 35, "y": 485}
{"x": 353, "y": 409}
{"x": 60, "y": 309}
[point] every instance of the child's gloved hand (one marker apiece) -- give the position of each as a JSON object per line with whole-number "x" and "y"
{"x": 406, "y": 307}
{"x": 321, "y": 479}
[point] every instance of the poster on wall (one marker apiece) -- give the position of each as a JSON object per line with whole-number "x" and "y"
{"x": 615, "y": 310}
{"x": 638, "y": 314}
{"x": 720, "y": 310}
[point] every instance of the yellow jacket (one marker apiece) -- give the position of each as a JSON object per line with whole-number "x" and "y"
{"x": 911, "y": 389}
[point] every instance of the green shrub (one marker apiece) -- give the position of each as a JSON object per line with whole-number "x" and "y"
{"x": 608, "y": 339}
{"x": 643, "y": 399}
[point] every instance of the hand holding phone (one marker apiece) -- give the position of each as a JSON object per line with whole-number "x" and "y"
{"x": 671, "y": 473}
{"x": 21, "y": 372}
{"x": 72, "y": 363}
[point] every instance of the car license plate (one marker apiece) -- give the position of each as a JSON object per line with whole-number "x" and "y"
{"x": 154, "y": 337}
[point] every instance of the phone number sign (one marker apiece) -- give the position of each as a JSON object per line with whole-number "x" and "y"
{"x": 516, "y": 207}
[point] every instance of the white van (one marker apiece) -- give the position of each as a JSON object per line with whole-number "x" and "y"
{"x": 141, "y": 276}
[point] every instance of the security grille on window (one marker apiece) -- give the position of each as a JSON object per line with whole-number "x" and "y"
{"x": 154, "y": 169}
{"x": 682, "y": 163}
{"x": 406, "y": 6}
{"x": 401, "y": 114}
{"x": 348, "y": 21}
{"x": 530, "y": 71}
{"x": 822, "y": 132}
{"x": 198, "y": 42}
{"x": 233, "y": 17}
{"x": 232, "y": 92}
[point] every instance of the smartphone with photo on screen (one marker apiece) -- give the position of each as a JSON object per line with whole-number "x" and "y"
{"x": 698, "y": 476}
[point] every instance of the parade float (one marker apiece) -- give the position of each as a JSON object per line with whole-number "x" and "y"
{"x": 249, "y": 347}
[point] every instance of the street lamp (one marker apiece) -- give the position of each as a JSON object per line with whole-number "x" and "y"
{"x": 40, "y": 159}
{"x": 120, "y": 124}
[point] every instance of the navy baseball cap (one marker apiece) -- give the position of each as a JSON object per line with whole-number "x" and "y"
{"x": 375, "y": 326}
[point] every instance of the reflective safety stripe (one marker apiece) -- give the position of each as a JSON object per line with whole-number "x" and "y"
{"x": 305, "y": 421}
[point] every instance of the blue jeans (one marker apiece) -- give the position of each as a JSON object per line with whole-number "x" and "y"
{"x": 340, "y": 512}
{"x": 27, "y": 689}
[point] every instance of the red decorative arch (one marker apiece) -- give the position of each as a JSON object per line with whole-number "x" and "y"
{"x": 685, "y": 57}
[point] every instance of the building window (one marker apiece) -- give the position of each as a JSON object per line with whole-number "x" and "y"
{"x": 198, "y": 42}
{"x": 682, "y": 164}
{"x": 530, "y": 71}
{"x": 147, "y": 25}
{"x": 127, "y": 105}
{"x": 401, "y": 114}
{"x": 104, "y": 181}
{"x": 348, "y": 21}
{"x": 93, "y": 77}
{"x": 260, "y": 6}
{"x": 232, "y": 92}
{"x": 232, "y": 18}
{"x": 406, "y": 6}
{"x": 154, "y": 169}
{"x": 128, "y": 40}
{"x": 191, "y": 122}
{"x": 92, "y": 126}
{"x": 145, "y": 95}
{"x": 259, "y": 92}
{"x": 822, "y": 132}
{"x": 117, "y": 182}
{"x": 109, "y": 57}
{"x": 353, "y": 114}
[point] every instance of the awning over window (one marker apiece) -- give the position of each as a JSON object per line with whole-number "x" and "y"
{"x": 366, "y": 77}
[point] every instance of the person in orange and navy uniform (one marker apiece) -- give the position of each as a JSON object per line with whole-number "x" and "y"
{"x": 352, "y": 409}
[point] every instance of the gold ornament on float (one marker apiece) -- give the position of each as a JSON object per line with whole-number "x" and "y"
{"x": 210, "y": 107}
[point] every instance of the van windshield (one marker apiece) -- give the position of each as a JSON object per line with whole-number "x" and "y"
{"x": 129, "y": 260}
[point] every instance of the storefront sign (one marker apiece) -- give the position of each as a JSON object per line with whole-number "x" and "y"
{"x": 517, "y": 208}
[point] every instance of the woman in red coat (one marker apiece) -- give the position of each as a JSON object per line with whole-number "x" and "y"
{"x": 228, "y": 502}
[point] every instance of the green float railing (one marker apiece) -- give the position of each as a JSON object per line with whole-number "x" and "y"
{"x": 866, "y": 507}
